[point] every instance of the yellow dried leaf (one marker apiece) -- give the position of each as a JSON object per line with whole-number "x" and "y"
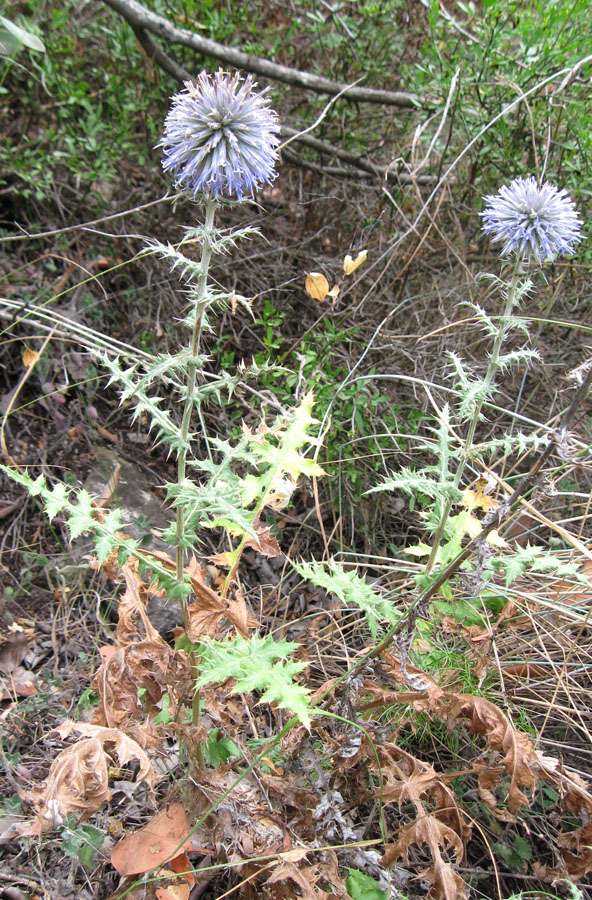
{"x": 495, "y": 540}
{"x": 334, "y": 292}
{"x": 350, "y": 265}
{"x": 477, "y": 500}
{"x": 295, "y": 855}
{"x": 30, "y": 357}
{"x": 316, "y": 286}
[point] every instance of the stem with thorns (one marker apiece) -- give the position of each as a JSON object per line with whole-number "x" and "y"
{"x": 200, "y": 305}
{"x": 492, "y": 367}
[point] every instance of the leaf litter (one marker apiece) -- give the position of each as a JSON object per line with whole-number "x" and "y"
{"x": 281, "y": 826}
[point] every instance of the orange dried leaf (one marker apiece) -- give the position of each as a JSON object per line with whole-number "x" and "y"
{"x": 316, "y": 286}
{"x": 30, "y": 358}
{"x": 164, "y": 838}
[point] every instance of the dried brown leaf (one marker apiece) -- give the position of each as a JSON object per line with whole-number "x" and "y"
{"x": 287, "y": 871}
{"x": 209, "y": 608}
{"x": 265, "y": 543}
{"x": 132, "y": 608}
{"x": 487, "y": 720}
{"x": 483, "y": 718}
{"x": 155, "y": 667}
{"x": 13, "y": 650}
{"x": 78, "y": 781}
{"x": 426, "y": 829}
{"x": 20, "y": 683}
{"x": 164, "y": 838}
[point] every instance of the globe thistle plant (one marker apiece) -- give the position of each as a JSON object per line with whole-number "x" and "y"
{"x": 534, "y": 223}
{"x": 220, "y": 137}
{"x": 220, "y": 141}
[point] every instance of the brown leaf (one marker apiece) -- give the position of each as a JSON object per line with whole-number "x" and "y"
{"x": 19, "y": 683}
{"x": 265, "y": 543}
{"x": 78, "y": 781}
{"x": 426, "y": 829}
{"x": 316, "y": 286}
{"x": 164, "y": 838}
{"x": 155, "y": 667}
{"x": 132, "y": 607}
{"x": 209, "y": 608}
{"x": 13, "y": 650}
{"x": 486, "y": 719}
{"x": 483, "y": 718}
{"x": 285, "y": 871}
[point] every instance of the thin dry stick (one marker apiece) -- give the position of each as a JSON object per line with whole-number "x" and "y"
{"x": 11, "y": 462}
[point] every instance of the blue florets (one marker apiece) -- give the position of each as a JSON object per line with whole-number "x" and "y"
{"x": 534, "y": 223}
{"x": 220, "y": 137}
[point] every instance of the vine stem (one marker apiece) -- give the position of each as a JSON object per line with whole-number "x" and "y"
{"x": 200, "y": 305}
{"x": 492, "y": 367}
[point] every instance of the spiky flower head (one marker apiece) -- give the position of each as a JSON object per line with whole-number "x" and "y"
{"x": 534, "y": 223}
{"x": 220, "y": 137}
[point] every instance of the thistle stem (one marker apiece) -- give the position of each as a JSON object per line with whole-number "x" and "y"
{"x": 492, "y": 367}
{"x": 200, "y": 305}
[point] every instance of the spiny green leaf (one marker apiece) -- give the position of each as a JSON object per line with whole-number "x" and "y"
{"x": 257, "y": 664}
{"x": 350, "y": 588}
{"x": 81, "y": 516}
{"x": 34, "y": 487}
{"x": 56, "y": 499}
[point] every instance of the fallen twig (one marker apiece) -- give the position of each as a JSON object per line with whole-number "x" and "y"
{"x": 142, "y": 20}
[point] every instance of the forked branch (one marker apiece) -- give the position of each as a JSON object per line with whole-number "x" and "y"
{"x": 144, "y": 20}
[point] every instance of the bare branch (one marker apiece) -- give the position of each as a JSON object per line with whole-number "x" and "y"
{"x": 382, "y": 172}
{"x": 142, "y": 19}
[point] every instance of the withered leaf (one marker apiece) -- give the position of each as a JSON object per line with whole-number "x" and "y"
{"x": 155, "y": 667}
{"x": 287, "y": 871}
{"x": 426, "y": 829}
{"x": 165, "y": 837}
{"x": 316, "y": 286}
{"x": 209, "y": 608}
{"x": 265, "y": 543}
{"x": 132, "y": 607}
{"x": 78, "y": 781}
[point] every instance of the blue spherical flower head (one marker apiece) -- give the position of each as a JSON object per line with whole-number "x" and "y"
{"x": 534, "y": 223}
{"x": 220, "y": 138}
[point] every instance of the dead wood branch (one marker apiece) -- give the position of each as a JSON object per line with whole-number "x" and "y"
{"x": 382, "y": 172}
{"x": 142, "y": 20}
{"x": 167, "y": 64}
